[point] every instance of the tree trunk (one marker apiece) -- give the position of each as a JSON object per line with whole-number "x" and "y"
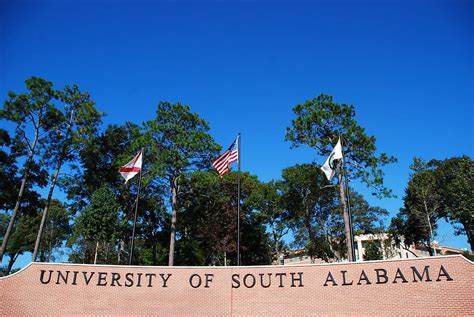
{"x": 310, "y": 234}
{"x": 6, "y": 237}
{"x": 427, "y": 243}
{"x": 329, "y": 240}
{"x": 174, "y": 206}
{"x": 428, "y": 220}
{"x": 468, "y": 228}
{"x": 277, "y": 244}
{"x": 432, "y": 246}
{"x": 106, "y": 253}
{"x": 153, "y": 249}
{"x": 96, "y": 251}
{"x": 53, "y": 184}
{"x": 345, "y": 213}
{"x": 45, "y": 212}
{"x": 50, "y": 246}
{"x": 470, "y": 239}
{"x": 13, "y": 258}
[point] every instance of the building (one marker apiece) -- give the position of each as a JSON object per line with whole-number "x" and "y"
{"x": 390, "y": 250}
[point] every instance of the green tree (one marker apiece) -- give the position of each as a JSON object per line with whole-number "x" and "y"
{"x": 437, "y": 189}
{"x": 57, "y": 231}
{"x": 99, "y": 161}
{"x": 310, "y": 204}
{"x": 8, "y": 173}
{"x": 269, "y": 201}
{"x": 35, "y": 117}
{"x": 179, "y": 142}
{"x": 422, "y": 205}
{"x": 99, "y": 223}
{"x": 208, "y": 216}
{"x": 319, "y": 123}
{"x": 372, "y": 251}
{"x": 78, "y": 122}
{"x": 456, "y": 186}
{"x": 366, "y": 219}
{"x": 23, "y": 238}
{"x": 152, "y": 227}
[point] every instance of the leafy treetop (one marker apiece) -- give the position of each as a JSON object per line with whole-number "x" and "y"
{"x": 320, "y": 122}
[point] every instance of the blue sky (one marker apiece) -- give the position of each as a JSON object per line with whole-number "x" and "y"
{"x": 407, "y": 67}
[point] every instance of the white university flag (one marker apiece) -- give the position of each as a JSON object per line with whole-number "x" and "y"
{"x": 132, "y": 168}
{"x": 329, "y": 168}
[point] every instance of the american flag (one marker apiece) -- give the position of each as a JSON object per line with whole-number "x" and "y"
{"x": 222, "y": 162}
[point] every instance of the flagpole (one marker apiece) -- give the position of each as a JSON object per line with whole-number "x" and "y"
{"x": 238, "y": 206}
{"x": 349, "y": 207}
{"x": 135, "y": 217}
{"x": 348, "y": 198}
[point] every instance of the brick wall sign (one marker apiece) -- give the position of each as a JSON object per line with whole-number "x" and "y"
{"x": 428, "y": 286}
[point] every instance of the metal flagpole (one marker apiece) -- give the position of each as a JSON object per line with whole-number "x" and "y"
{"x": 238, "y": 205}
{"x": 350, "y": 212}
{"x": 348, "y": 196}
{"x": 135, "y": 216}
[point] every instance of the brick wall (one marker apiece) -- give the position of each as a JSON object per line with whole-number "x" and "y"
{"x": 422, "y": 287}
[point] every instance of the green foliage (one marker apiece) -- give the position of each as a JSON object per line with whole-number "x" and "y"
{"x": 23, "y": 237}
{"x": 152, "y": 227}
{"x": 209, "y": 217}
{"x": 189, "y": 252}
{"x": 34, "y": 111}
{"x": 57, "y": 230}
{"x": 99, "y": 222}
{"x": 156, "y": 253}
{"x": 35, "y": 118}
{"x": 416, "y": 221}
{"x": 269, "y": 203}
{"x": 178, "y": 140}
{"x": 437, "y": 189}
{"x": 99, "y": 160}
{"x": 56, "y": 127}
{"x": 75, "y": 123}
{"x": 366, "y": 218}
{"x": 456, "y": 185}
{"x": 318, "y": 124}
{"x": 310, "y": 205}
{"x": 372, "y": 251}
{"x": 8, "y": 173}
